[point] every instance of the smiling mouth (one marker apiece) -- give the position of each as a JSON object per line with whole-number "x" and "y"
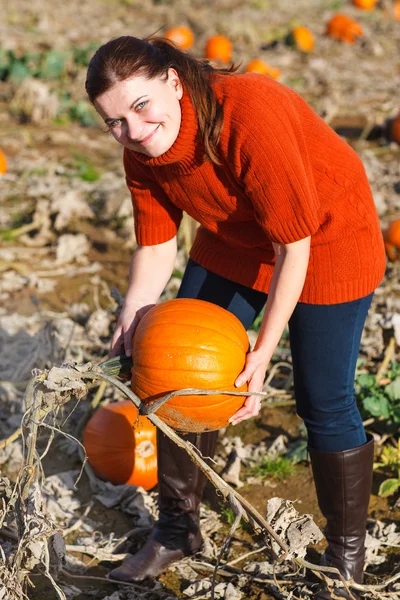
{"x": 148, "y": 137}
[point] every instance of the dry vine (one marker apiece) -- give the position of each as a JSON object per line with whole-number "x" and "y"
{"x": 39, "y": 541}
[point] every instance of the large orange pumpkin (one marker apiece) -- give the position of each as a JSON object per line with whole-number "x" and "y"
{"x": 343, "y": 28}
{"x": 187, "y": 343}
{"x": 122, "y": 446}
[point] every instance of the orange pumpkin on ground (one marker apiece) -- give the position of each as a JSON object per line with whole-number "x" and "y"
{"x": 3, "y": 163}
{"x": 392, "y": 240}
{"x": 182, "y": 36}
{"x": 122, "y": 446}
{"x": 259, "y": 66}
{"x": 343, "y": 28}
{"x": 188, "y": 343}
{"x": 302, "y": 39}
{"x": 394, "y": 129}
{"x": 219, "y": 48}
{"x": 365, "y": 4}
{"x": 396, "y": 10}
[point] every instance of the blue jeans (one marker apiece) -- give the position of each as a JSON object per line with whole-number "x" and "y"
{"x": 324, "y": 342}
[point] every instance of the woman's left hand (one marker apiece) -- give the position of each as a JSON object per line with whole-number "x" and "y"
{"x": 254, "y": 373}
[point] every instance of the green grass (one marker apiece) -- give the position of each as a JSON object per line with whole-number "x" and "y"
{"x": 277, "y": 468}
{"x": 85, "y": 170}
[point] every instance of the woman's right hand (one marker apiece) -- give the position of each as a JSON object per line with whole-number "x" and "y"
{"x": 129, "y": 318}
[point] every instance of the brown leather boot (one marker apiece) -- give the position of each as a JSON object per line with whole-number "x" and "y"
{"x": 177, "y": 533}
{"x": 343, "y": 483}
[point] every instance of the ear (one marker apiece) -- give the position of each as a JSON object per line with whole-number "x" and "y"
{"x": 175, "y": 82}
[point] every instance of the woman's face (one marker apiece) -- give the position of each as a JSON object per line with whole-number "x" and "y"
{"x": 143, "y": 114}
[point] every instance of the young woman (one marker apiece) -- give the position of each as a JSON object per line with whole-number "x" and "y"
{"x": 287, "y": 220}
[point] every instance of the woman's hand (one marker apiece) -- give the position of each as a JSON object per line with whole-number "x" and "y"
{"x": 150, "y": 269}
{"x": 254, "y": 373}
{"x": 128, "y": 321}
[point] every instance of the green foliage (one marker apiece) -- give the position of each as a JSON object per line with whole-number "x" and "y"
{"x": 229, "y": 516}
{"x": 84, "y": 169}
{"x": 277, "y": 468}
{"x": 390, "y": 463}
{"x": 82, "y": 56}
{"x": 257, "y": 322}
{"x": 389, "y": 487}
{"x": 297, "y": 451}
{"x": 178, "y": 274}
{"x": 381, "y": 401}
{"x": 4, "y": 63}
{"x": 53, "y": 64}
{"x": 49, "y": 65}
{"x": 83, "y": 112}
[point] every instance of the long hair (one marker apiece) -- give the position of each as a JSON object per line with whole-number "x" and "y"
{"x": 126, "y": 56}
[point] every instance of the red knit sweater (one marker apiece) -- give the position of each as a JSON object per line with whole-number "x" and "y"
{"x": 285, "y": 175}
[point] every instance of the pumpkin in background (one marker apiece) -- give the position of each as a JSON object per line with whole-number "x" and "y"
{"x": 122, "y": 446}
{"x": 188, "y": 343}
{"x": 392, "y": 240}
{"x": 301, "y": 38}
{"x": 365, "y": 4}
{"x": 182, "y": 36}
{"x": 219, "y": 48}
{"x": 344, "y": 28}
{"x": 394, "y": 129}
{"x": 3, "y": 163}
{"x": 396, "y": 9}
{"x": 259, "y": 66}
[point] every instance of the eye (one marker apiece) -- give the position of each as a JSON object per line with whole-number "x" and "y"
{"x": 141, "y": 105}
{"x": 114, "y": 123}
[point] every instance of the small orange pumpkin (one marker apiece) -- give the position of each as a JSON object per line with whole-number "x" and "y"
{"x": 182, "y": 36}
{"x": 394, "y": 129}
{"x": 122, "y": 446}
{"x": 365, "y": 4}
{"x": 392, "y": 240}
{"x": 343, "y": 28}
{"x": 188, "y": 343}
{"x": 3, "y": 163}
{"x": 302, "y": 39}
{"x": 259, "y": 66}
{"x": 219, "y": 48}
{"x": 396, "y": 10}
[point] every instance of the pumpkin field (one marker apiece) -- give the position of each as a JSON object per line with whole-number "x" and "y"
{"x": 78, "y": 465}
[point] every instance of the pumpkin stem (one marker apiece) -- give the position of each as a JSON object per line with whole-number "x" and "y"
{"x": 118, "y": 366}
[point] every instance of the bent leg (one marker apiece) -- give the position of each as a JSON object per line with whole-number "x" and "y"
{"x": 325, "y": 342}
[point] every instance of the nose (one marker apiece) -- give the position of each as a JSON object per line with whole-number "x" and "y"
{"x": 133, "y": 127}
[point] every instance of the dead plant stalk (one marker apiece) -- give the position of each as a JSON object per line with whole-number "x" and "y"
{"x": 46, "y": 392}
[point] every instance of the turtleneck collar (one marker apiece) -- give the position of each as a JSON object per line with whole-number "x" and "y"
{"x": 187, "y": 152}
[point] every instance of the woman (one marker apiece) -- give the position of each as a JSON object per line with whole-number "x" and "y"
{"x": 287, "y": 220}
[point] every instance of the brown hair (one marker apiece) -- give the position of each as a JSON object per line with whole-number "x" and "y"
{"x": 121, "y": 58}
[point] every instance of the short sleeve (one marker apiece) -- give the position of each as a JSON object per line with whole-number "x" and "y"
{"x": 156, "y": 218}
{"x": 276, "y": 172}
